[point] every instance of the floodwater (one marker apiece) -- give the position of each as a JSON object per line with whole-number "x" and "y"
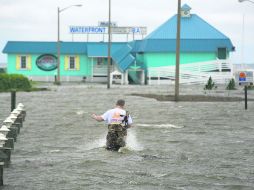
{"x": 184, "y": 145}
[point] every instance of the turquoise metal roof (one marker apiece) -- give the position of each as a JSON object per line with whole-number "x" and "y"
{"x": 192, "y": 27}
{"x": 126, "y": 62}
{"x": 123, "y": 57}
{"x": 100, "y": 49}
{"x": 196, "y": 36}
{"x": 135, "y": 45}
{"x": 121, "y": 53}
{"x": 44, "y": 47}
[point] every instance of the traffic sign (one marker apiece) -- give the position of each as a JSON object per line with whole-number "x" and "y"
{"x": 242, "y": 76}
{"x": 245, "y": 77}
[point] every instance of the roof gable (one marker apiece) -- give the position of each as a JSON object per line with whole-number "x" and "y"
{"x": 192, "y": 27}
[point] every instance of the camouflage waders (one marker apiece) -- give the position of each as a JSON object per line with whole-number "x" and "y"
{"x": 116, "y": 137}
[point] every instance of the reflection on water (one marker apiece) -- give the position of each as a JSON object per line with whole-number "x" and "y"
{"x": 160, "y": 125}
{"x": 172, "y": 145}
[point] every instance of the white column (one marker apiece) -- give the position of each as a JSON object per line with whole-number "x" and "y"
{"x": 126, "y": 77}
{"x": 158, "y": 75}
{"x": 149, "y": 78}
{"x": 122, "y": 80}
{"x": 92, "y": 70}
{"x": 110, "y": 78}
{"x": 142, "y": 77}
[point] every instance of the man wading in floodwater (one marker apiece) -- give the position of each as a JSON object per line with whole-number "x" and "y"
{"x": 118, "y": 121}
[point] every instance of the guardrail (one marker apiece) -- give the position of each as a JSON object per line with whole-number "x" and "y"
{"x": 9, "y": 131}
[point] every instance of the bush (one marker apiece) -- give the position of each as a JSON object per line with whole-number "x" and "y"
{"x": 2, "y": 70}
{"x": 18, "y": 82}
{"x": 231, "y": 85}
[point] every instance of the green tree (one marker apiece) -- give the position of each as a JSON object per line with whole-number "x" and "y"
{"x": 210, "y": 84}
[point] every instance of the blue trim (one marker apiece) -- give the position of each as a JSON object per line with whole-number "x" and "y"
{"x": 44, "y": 47}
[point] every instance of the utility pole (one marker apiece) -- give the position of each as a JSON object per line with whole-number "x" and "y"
{"x": 178, "y": 51}
{"x": 58, "y": 46}
{"x": 109, "y": 43}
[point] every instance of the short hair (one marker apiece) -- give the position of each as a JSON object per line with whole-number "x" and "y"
{"x": 120, "y": 102}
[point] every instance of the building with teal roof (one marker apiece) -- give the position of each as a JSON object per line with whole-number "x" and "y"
{"x": 136, "y": 61}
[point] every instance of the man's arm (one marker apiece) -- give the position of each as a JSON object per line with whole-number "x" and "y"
{"x": 97, "y": 117}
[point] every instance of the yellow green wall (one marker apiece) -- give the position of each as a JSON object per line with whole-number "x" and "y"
{"x": 83, "y": 70}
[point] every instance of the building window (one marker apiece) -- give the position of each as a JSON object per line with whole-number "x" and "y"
{"x": 23, "y": 62}
{"x": 222, "y": 53}
{"x": 72, "y": 62}
{"x": 99, "y": 61}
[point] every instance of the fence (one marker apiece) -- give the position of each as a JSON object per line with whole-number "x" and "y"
{"x": 194, "y": 73}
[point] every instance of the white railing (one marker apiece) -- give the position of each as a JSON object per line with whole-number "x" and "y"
{"x": 193, "y": 73}
{"x": 100, "y": 70}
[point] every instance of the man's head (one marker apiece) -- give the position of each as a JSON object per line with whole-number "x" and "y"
{"x": 120, "y": 103}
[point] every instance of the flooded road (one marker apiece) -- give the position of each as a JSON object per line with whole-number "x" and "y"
{"x": 184, "y": 145}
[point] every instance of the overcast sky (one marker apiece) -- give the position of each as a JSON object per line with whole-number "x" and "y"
{"x": 36, "y": 20}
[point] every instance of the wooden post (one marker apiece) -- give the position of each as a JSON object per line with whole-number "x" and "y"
{"x": 246, "y": 97}
{"x": 13, "y": 100}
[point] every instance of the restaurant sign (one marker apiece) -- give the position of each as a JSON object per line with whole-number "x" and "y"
{"x": 104, "y": 30}
{"x": 47, "y": 62}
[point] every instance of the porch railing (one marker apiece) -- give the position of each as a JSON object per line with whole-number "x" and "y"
{"x": 197, "y": 73}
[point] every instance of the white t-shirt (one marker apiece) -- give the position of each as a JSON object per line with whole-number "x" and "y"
{"x": 115, "y": 116}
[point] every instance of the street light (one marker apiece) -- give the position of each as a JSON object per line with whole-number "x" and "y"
{"x": 246, "y": 0}
{"x": 243, "y": 29}
{"x": 58, "y": 38}
{"x": 109, "y": 42}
